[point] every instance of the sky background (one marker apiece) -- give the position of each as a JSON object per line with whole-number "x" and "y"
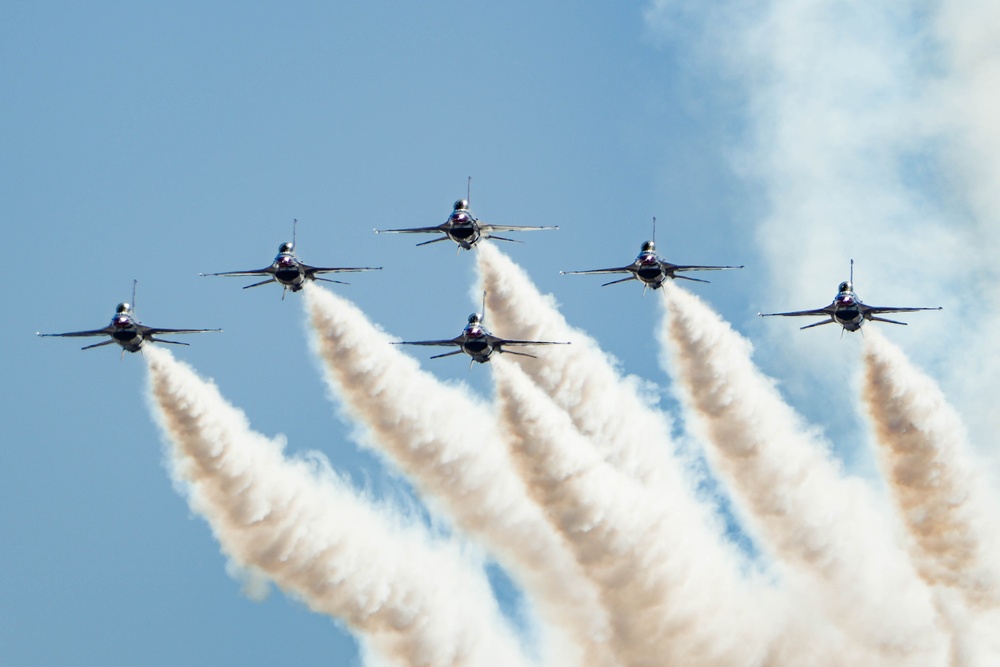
{"x": 159, "y": 142}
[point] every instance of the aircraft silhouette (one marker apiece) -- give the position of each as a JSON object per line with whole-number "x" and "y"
{"x": 847, "y": 310}
{"x": 652, "y": 271}
{"x": 127, "y": 331}
{"x": 477, "y": 341}
{"x": 463, "y": 227}
{"x": 289, "y": 272}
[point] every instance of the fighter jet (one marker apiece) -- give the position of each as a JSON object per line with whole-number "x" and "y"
{"x": 464, "y": 228}
{"x": 477, "y": 342}
{"x": 289, "y": 272}
{"x": 128, "y": 331}
{"x": 651, "y": 270}
{"x": 847, "y": 310}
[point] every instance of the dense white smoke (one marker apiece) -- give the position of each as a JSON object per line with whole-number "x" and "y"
{"x": 609, "y": 410}
{"x": 582, "y": 379}
{"x": 624, "y": 568}
{"x": 925, "y": 459}
{"x": 449, "y": 446}
{"x": 670, "y": 602}
{"x": 412, "y": 601}
{"x": 790, "y": 492}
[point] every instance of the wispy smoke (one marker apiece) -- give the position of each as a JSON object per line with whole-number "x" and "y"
{"x": 925, "y": 457}
{"x": 449, "y": 446}
{"x": 671, "y": 602}
{"x": 413, "y": 602}
{"x": 792, "y": 493}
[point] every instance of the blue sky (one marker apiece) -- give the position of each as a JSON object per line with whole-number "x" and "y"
{"x": 159, "y": 142}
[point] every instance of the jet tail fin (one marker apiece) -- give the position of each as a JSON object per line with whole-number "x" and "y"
{"x": 697, "y": 280}
{"x": 263, "y": 282}
{"x": 170, "y": 342}
{"x": 818, "y": 324}
{"x": 446, "y": 354}
{"x": 502, "y": 238}
{"x": 519, "y": 354}
{"x": 107, "y": 342}
{"x": 443, "y": 238}
{"x": 620, "y": 280}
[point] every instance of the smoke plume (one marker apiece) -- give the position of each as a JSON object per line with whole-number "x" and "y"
{"x": 789, "y": 490}
{"x": 670, "y": 602}
{"x": 411, "y": 601}
{"x": 925, "y": 458}
{"x": 582, "y": 379}
{"x": 450, "y": 448}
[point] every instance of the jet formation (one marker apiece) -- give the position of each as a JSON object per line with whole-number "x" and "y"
{"x": 848, "y": 311}
{"x": 476, "y": 341}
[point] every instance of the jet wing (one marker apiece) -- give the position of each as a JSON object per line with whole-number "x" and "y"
{"x": 106, "y": 331}
{"x": 619, "y": 269}
{"x": 413, "y": 230}
{"x": 694, "y": 267}
{"x": 511, "y": 228}
{"x": 310, "y": 270}
{"x": 255, "y": 272}
{"x": 826, "y": 311}
{"x": 450, "y": 341}
{"x": 875, "y": 310}
{"x": 158, "y": 330}
{"x": 496, "y": 341}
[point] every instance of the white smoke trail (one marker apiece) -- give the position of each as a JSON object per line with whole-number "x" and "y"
{"x": 671, "y": 602}
{"x": 793, "y": 494}
{"x": 412, "y": 602}
{"x": 608, "y": 409}
{"x": 450, "y": 447}
{"x": 925, "y": 457}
